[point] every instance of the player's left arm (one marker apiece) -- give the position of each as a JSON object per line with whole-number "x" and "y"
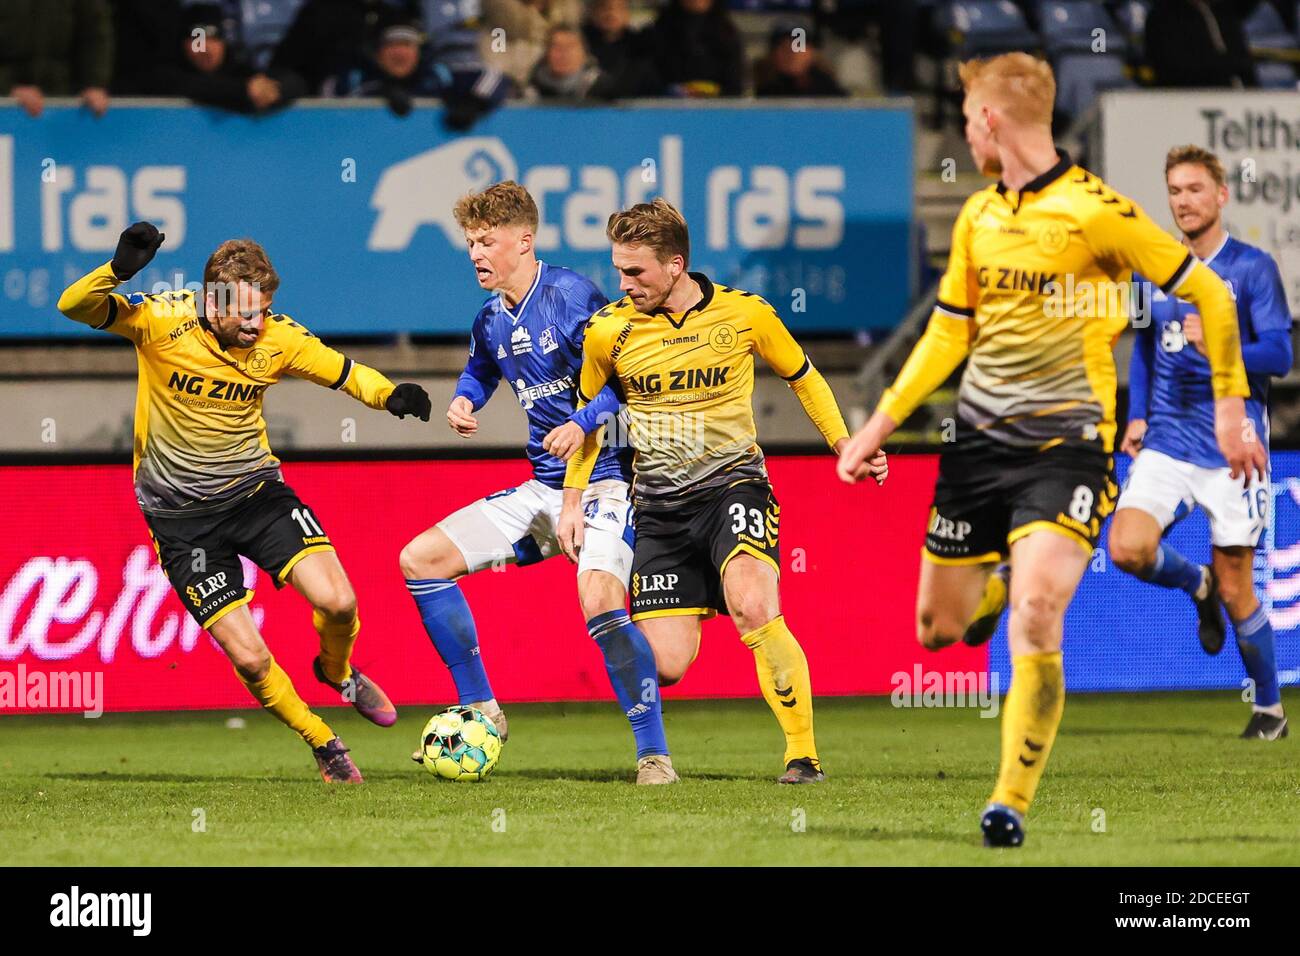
{"x": 597, "y": 369}
{"x": 315, "y": 361}
{"x": 1270, "y": 321}
{"x": 773, "y": 341}
{"x": 1121, "y": 234}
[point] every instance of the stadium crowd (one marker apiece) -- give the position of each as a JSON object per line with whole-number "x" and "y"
{"x": 255, "y": 56}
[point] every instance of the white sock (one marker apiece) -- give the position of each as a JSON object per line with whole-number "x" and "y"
{"x": 1274, "y": 710}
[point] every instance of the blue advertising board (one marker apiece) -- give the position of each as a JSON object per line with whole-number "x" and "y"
{"x": 810, "y": 207}
{"x": 1125, "y": 634}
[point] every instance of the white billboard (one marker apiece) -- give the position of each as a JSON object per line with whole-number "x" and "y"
{"x": 1256, "y": 134}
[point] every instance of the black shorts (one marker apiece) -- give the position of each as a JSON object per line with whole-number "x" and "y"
{"x": 200, "y": 553}
{"x": 680, "y": 553}
{"x": 990, "y": 494}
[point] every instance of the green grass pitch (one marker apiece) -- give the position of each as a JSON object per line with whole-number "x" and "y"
{"x": 1146, "y": 779}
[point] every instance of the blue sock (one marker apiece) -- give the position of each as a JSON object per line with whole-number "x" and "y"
{"x": 450, "y": 624}
{"x": 1255, "y": 641}
{"x": 1172, "y": 570}
{"x": 630, "y": 663}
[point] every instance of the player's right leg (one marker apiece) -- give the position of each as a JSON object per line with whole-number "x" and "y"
{"x": 238, "y": 637}
{"x": 207, "y": 575}
{"x": 493, "y": 531}
{"x": 604, "y": 570}
{"x": 950, "y": 597}
{"x": 1158, "y": 491}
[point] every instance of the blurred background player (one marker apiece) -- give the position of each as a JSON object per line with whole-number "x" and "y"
{"x": 681, "y": 350}
{"x": 206, "y": 480}
{"x": 1170, "y": 433}
{"x": 1030, "y": 471}
{"x": 530, "y": 332}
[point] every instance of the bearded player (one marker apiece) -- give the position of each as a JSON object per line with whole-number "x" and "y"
{"x": 1170, "y": 433}
{"x": 681, "y": 350}
{"x": 1030, "y": 474}
{"x": 529, "y": 333}
{"x": 206, "y": 479}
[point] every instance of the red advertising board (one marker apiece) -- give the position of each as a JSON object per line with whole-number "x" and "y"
{"x": 81, "y": 590}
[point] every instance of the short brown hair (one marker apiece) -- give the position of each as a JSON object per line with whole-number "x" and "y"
{"x": 1197, "y": 155}
{"x": 240, "y": 260}
{"x": 1021, "y": 84}
{"x": 655, "y": 224}
{"x": 501, "y": 204}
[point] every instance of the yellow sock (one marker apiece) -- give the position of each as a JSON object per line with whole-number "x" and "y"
{"x": 786, "y": 684}
{"x": 336, "y": 642}
{"x": 277, "y": 696}
{"x": 1031, "y": 714}
{"x": 994, "y": 599}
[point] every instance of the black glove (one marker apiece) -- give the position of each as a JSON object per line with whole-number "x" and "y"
{"x": 135, "y": 249}
{"x": 409, "y": 399}
{"x": 460, "y": 113}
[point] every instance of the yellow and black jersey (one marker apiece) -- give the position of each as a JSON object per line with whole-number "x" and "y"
{"x": 1036, "y": 292}
{"x": 688, "y": 381}
{"x": 200, "y": 439}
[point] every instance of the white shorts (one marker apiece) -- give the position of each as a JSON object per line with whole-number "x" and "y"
{"x": 517, "y": 526}
{"x": 1168, "y": 489}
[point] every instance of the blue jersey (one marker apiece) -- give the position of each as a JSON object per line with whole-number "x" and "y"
{"x": 1169, "y": 380}
{"x": 537, "y": 349}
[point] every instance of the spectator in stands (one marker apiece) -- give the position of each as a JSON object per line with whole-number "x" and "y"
{"x": 404, "y": 66}
{"x": 208, "y": 68}
{"x": 56, "y": 48}
{"x": 567, "y": 72}
{"x": 698, "y": 49}
{"x": 1200, "y": 43}
{"x": 623, "y": 53}
{"x": 329, "y": 37}
{"x": 793, "y": 67}
{"x": 515, "y": 33}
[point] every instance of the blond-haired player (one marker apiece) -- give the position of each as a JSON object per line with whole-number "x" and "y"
{"x": 681, "y": 350}
{"x": 529, "y": 333}
{"x": 205, "y": 477}
{"x": 1027, "y": 301}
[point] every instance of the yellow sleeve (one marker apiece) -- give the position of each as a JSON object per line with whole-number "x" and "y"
{"x": 773, "y": 341}
{"x": 1122, "y": 235}
{"x": 91, "y": 301}
{"x": 948, "y": 337}
{"x": 596, "y": 370}
{"x": 317, "y": 362}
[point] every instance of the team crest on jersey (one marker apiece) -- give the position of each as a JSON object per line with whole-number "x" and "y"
{"x": 547, "y": 340}
{"x": 258, "y": 361}
{"x": 723, "y": 338}
{"x": 521, "y": 343}
{"x": 1053, "y": 238}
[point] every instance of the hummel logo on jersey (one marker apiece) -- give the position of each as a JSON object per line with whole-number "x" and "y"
{"x": 547, "y": 340}
{"x": 501, "y": 351}
{"x": 942, "y": 527}
{"x": 529, "y": 394}
{"x": 520, "y": 341}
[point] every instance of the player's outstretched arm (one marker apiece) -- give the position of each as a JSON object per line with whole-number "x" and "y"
{"x": 317, "y": 362}
{"x": 90, "y": 301}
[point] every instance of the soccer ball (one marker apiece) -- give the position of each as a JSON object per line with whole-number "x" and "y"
{"x": 461, "y": 743}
